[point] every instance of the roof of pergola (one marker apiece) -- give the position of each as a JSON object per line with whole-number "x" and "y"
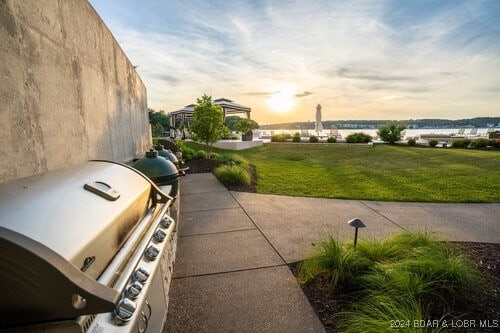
{"x": 230, "y": 106}
{"x": 227, "y": 105}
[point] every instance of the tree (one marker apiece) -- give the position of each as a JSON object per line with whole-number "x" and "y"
{"x": 391, "y": 132}
{"x": 157, "y": 130}
{"x": 207, "y": 124}
{"x": 231, "y": 121}
{"x": 158, "y": 117}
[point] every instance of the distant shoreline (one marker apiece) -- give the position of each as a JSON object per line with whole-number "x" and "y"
{"x": 427, "y": 124}
{"x": 469, "y": 132}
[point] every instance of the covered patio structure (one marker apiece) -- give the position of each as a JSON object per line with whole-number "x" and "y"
{"x": 185, "y": 115}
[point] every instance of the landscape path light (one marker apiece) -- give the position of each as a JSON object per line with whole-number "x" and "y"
{"x": 356, "y": 223}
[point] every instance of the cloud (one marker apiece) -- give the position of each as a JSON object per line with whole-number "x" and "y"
{"x": 370, "y": 76}
{"x": 348, "y": 53}
{"x": 390, "y": 98}
{"x": 261, "y": 93}
{"x": 304, "y": 94}
{"x": 165, "y": 77}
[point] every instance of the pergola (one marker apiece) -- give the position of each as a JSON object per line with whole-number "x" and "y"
{"x": 185, "y": 115}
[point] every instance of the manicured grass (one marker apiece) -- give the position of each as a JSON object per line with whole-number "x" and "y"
{"x": 387, "y": 173}
{"x": 408, "y": 277}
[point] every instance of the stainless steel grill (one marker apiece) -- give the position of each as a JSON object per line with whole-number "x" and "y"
{"x": 88, "y": 248}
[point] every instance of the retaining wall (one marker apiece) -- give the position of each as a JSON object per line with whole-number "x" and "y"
{"x": 68, "y": 92}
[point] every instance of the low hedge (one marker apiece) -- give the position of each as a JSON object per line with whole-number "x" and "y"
{"x": 280, "y": 137}
{"x": 331, "y": 139}
{"x": 358, "y": 138}
{"x": 313, "y": 139}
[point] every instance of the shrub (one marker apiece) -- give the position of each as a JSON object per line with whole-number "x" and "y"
{"x": 246, "y": 126}
{"x": 214, "y": 155}
{"x": 339, "y": 263}
{"x": 457, "y": 144}
{"x": 188, "y": 153}
{"x": 181, "y": 144}
{"x": 433, "y": 143}
{"x": 412, "y": 142}
{"x": 231, "y": 159}
{"x": 461, "y": 143}
{"x": 200, "y": 154}
{"x": 231, "y": 175}
{"x": 229, "y": 136}
{"x": 331, "y": 139}
{"x": 375, "y": 314}
{"x": 358, "y": 138}
{"x": 409, "y": 275}
{"x": 480, "y": 143}
{"x": 280, "y": 137}
{"x": 296, "y": 137}
{"x": 391, "y": 132}
{"x": 313, "y": 138}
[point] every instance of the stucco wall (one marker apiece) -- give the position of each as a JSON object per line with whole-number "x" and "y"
{"x": 68, "y": 93}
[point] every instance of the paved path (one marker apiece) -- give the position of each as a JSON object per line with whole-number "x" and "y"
{"x": 230, "y": 274}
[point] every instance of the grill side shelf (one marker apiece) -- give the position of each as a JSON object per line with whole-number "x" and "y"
{"x": 39, "y": 285}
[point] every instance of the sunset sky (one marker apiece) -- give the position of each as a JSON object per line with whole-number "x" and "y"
{"x": 359, "y": 59}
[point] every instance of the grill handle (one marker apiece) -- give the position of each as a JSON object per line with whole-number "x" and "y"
{"x": 158, "y": 195}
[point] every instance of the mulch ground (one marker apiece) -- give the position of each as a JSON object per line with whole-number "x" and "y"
{"x": 485, "y": 256}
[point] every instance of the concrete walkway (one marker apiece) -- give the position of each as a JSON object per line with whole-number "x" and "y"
{"x": 230, "y": 274}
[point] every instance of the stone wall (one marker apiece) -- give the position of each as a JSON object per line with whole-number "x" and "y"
{"x": 68, "y": 93}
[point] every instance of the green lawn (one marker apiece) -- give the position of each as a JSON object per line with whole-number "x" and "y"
{"x": 389, "y": 173}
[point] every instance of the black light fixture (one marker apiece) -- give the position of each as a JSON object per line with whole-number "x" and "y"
{"x": 356, "y": 223}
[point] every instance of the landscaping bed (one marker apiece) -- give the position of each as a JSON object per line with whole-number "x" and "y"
{"x": 483, "y": 307}
{"x": 208, "y": 165}
{"x": 200, "y": 165}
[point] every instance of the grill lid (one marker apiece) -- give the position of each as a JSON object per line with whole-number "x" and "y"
{"x": 81, "y": 212}
{"x": 167, "y": 154}
{"x": 156, "y": 167}
{"x": 58, "y": 233}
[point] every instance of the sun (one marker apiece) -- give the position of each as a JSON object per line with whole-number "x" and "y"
{"x": 282, "y": 101}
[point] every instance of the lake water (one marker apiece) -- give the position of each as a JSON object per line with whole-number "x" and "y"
{"x": 408, "y": 133}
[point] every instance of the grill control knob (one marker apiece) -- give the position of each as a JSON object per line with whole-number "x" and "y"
{"x": 159, "y": 236}
{"x": 124, "y": 311}
{"x": 165, "y": 222}
{"x": 151, "y": 253}
{"x": 133, "y": 290}
{"x": 141, "y": 275}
